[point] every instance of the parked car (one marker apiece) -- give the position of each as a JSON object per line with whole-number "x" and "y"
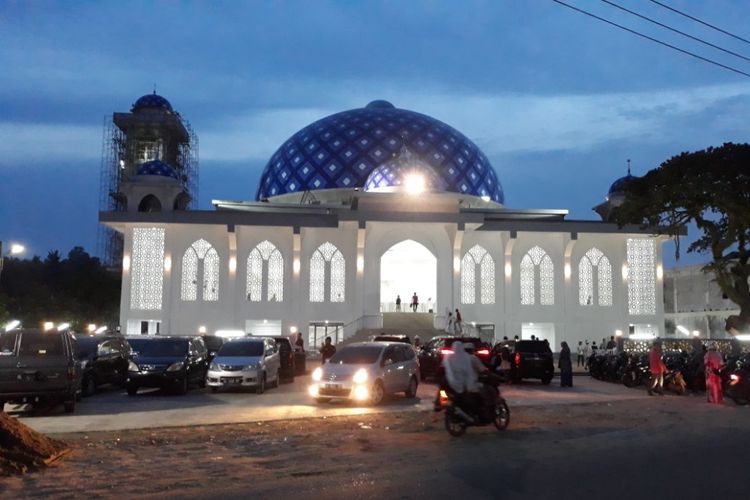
{"x": 532, "y": 359}
{"x": 38, "y": 366}
{"x": 166, "y": 362}
{"x": 432, "y": 353}
{"x": 245, "y": 362}
{"x": 392, "y": 338}
{"x": 104, "y": 360}
{"x": 286, "y": 358}
{"x": 213, "y": 344}
{"x": 366, "y": 372}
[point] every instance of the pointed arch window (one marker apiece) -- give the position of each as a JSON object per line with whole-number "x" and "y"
{"x": 477, "y": 277}
{"x": 327, "y": 274}
{"x": 594, "y": 279}
{"x": 200, "y": 272}
{"x": 537, "y": 278}
{"x": 265, "y": 273}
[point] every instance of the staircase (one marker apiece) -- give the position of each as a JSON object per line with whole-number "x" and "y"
{"x": 404, "y": 323}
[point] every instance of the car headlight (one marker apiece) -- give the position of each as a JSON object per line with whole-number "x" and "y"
{"x": 360, "y": 376}
{"x": 132, "y": 367}
{"x": 213, "y": 366}
{"x": 252, "y": 367}
{"x": 317, "y": 374}
{"x": 175, "y": 366}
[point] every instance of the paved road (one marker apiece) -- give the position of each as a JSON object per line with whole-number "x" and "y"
{"x": 114, "y": 410}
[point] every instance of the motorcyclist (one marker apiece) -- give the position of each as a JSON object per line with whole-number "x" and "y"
{"x": 461, "y": 373}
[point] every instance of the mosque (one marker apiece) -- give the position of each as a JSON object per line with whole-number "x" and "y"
{"x": 357, "y": 209}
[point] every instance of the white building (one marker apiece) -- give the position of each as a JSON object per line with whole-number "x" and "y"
{"x": 365, "y": 205}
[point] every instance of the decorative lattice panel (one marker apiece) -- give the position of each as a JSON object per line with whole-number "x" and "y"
{"x": 317, "y": 277}
{"x": 594, "y": 273}
{"x": 200, "y": 271}
{"x": 535, "y": 258}
{"x": 265, "y": 255}
{"x": 147, "y": 268}
{"x": 641, "y": 255}
{"x": 477, "y": 256}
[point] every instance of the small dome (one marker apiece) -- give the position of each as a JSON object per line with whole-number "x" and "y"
{"x": 151, "y": 101}
{"x": 158, "y": 167}
{"x": 621, "y": 184}
{"x": 379, "y": 104}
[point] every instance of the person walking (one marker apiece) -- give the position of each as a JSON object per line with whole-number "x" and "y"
{"x": 414, "y": 302}
{"x": 459, "y": 327}
{"x": 565, "y": 364}
{"x": 449, "y": 326}
{"x": 657, "y": 368}
{"x": 398, "y": 303}
{"x": 714, "y": 361}
{"x": 327, "y": 350}
{"x": 299, "y": 343}
{"x": 581, "y": 353}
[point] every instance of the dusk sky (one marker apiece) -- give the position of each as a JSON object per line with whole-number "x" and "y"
{"x": 558, "y": 101}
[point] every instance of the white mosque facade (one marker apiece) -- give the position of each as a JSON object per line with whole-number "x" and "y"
{"x": 361, "y": 207}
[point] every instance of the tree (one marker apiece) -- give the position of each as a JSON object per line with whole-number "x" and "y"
{"x": 711, "y": 189}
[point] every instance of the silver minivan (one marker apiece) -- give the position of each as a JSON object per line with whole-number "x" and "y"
{"x": 245, "y": 362}
{"x": 366, "y": 372}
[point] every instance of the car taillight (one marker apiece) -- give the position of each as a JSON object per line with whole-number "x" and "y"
{"x": 483, "y": 352}
{"x": 517, "y": 358}
{"x": 445, "y": 351}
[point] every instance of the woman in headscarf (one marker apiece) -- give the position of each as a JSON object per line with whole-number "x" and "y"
{"x": 713, "y": 362}
{"x": 566, "y": 366}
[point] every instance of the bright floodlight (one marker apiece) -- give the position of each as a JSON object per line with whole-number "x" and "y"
{"x": 63, "y": 326}
{"x": 485, "y": 198}
{"x": 16, "y": 248}
{"x": 414, "y": 183}
{"x": 10, "y": 325}
{"x": 48, "y": 325}
{"x": 101, "y": 329}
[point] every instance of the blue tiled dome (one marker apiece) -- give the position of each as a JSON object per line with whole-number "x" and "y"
{"x": 620, "y": 184}
{"x": 394, "y": 172}
{"x": 343, "y": 150}
{"x": 151, "y": 101}
{"x": 158, "y": 167}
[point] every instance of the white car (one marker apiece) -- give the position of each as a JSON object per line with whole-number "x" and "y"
{"x": 366, "y": 372}
{"x": 245, "y": 362}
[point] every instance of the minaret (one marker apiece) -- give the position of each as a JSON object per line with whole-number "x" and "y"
{"x": 151, "y": 138}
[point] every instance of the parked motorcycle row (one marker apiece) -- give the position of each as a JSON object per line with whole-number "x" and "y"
{"x": 685, "y": 372}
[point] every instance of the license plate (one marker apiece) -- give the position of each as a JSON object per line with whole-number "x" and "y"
{"x": 333, "y": 386}
{"x": 232, "y": 380}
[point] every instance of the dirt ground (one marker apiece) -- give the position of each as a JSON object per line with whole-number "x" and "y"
{"x": 395, "y": 455}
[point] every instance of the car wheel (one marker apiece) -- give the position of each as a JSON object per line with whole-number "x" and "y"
{"x": 411, "y": 391}
{"x": 378, "y": 392}
{"x": 132, "y": 390}
{"x": 70, "y": 405}
{"x": 89, "y": 387}
{"x": 261, "y": 387}
{"x": 182, "y": 386}
{"x": 502, "y": 415}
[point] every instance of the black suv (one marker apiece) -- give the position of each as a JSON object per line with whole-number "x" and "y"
{"x": 532, "y": 359}
{"x": 286, "y": 358}
{"x": 431, "y": 354}
{"x": 38, "y": 366}
{"x": 167, "y": 363}
{"x": 103, "y": 359}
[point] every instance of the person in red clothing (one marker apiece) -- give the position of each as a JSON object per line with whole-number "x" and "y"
{"x": 657, "y": 367}
{"x": 713, "y": 362}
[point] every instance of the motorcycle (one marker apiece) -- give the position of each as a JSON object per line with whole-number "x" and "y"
{"x": 493, "y": 409}
{"x": 736, "y": 380}
{"x": 636, "y": 372}
{"x": 673, "y": 381}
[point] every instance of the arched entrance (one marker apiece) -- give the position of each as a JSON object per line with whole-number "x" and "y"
{"x": 405, "y": 268}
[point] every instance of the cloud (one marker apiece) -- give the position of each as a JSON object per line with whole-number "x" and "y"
{"x": 23, "y": 142}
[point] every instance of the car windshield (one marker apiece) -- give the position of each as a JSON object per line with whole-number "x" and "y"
{"x": 159, "y": 347}
{"x": 357, "y": 355}
{"x": 478, "y": 344}
{"x": 241, "y": 349}
{"x": 41, "y": 345}
{"x": 213, "y": 343}
{"x": 86, "y": 346}
{"x": 392, "y": 338}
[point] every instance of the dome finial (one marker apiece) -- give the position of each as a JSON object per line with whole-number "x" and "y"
{"x": 628, "y": 166}
{"x": 154, "y": 89}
